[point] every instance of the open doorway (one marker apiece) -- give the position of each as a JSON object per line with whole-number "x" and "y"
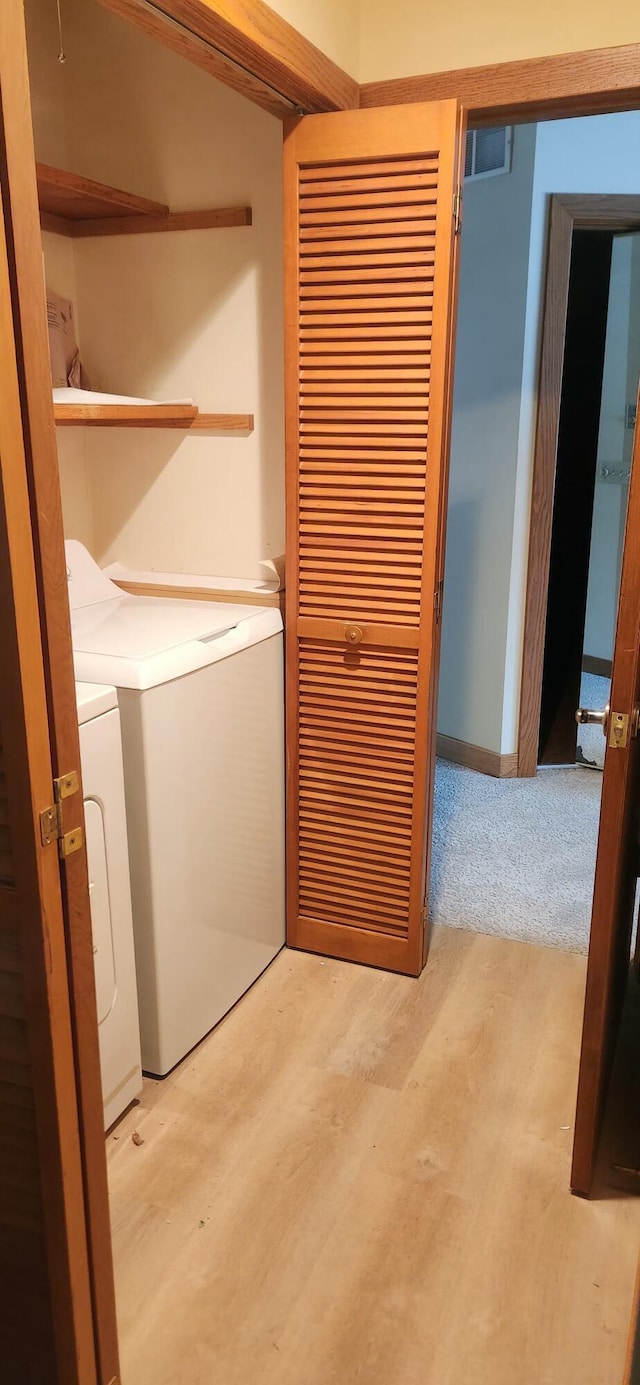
{"x": 564, "y": 179}
{"x": 595, "y": 433}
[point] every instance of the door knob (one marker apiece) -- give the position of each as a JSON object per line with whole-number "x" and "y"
{"x": 587, "y": 716}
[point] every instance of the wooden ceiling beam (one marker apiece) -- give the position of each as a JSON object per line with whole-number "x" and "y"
{"x": 248, "y": 47}
{"x": 560, "y": 86}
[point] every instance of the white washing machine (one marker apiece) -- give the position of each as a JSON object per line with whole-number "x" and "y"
{"x": 200, "y": 690}
{"x": 110, "y": 894}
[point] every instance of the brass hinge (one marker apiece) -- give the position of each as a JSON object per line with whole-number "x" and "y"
{"x": 437, "y": 601}
{"x": 424, "y": 916}
{"x": 457, "y": 211}
{"x": 51, "y": 818}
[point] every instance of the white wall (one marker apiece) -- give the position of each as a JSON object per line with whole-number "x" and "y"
{"x": 488, "y": 378}
{"x": 333, "y": 25}
{"x": 196, "y": 314}
{"x": 598, "y": 154}
{"x": 374, "y": 39}
{"x": 413, "y": 36}
{"x": 53, "y": 145}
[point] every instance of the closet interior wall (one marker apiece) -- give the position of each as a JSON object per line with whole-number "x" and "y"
{"x": 194, "y": 314}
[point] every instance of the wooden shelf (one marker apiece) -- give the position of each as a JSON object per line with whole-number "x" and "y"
{"x": 185, "y": 416}
{"x": 74, "y": 206}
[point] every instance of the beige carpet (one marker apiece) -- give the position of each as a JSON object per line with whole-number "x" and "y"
{"x": 516, "y": 857}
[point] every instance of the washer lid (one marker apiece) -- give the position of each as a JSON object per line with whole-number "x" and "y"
{"x": 92, "y": 699}
{"x": 139, "y": 627}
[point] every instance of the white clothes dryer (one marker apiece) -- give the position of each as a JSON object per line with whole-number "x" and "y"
{"x": 200, "y": 690}
{"x": 110, "y": 895}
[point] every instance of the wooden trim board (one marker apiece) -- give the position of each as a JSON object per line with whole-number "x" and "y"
{"x": 568, "y": 212}
{"x": 248, "y": 47}
{"x": 183, "y": 416}
{"x": 554, "y": 87}
{"x": 592, "y": 664}
{"x": 476, "y": 757}
{"x": 29, "y": 307}
{"x": 209, "y": 220}
{"x": 234, "y": 597}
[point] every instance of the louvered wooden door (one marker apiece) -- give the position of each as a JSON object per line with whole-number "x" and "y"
{"x": 371, "y": 220}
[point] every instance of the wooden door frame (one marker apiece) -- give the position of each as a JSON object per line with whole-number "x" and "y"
{"x": 584, "y": 83}
{"x": 595, "y": 81}
{"x": 567, "y": 214}
{"x": 32, "y": 956}
{"x": 244, "y": 44}
{"x": 18, "y": 177}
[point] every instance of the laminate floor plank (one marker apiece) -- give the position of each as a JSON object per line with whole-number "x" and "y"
{"x": 361, "y": 1179}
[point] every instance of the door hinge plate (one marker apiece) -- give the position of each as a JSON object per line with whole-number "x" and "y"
{"x": 71, "y": 841}
{"x": 49, "y": 830}
{"x": 66, "y": 785}
{"x": 51, "y": 818}
{"x": 457, "y": 211}
{"x": 437, "y": 601}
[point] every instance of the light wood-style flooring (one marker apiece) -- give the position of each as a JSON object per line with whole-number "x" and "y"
{"x": 361, "y": 1179}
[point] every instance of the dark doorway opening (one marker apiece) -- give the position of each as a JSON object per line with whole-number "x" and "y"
{"x": 574, "y": 493}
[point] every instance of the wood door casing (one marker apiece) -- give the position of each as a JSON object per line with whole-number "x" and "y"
{"x": 46, "y": 1316}
{"x": 88, "y": 1305}
{"x": 554, "y": 87}
{"x": 24, "y": 247}
{"x": 370, "y": 256}
{"x": 568, "y": 212}
{"x": 616, "y": 865}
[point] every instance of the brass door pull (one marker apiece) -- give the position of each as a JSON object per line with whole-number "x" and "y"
{"x": 353, "y": 634}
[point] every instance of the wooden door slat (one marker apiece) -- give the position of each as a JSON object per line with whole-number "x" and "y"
{"x": 410, "y": 239}
{"x": 366, "y": 168}
{"x": 394, "y": 287}
{"x": 370, "y": 194}
{"x": 419, "y": 212}
{"x": 335, "y": 310}
{"x": 383, "y": 185}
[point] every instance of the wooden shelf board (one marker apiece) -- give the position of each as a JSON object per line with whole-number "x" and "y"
{"x": 168, "y": 221}
{"x": 73, "y": 197}
{"x": 185, "y": 416}
{"x": 74, "y": 206}
{"x": 223, "y": 423}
